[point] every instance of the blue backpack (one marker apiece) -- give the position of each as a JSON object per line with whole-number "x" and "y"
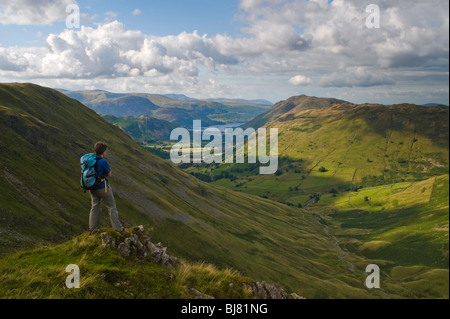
{"x": 89, "y": 177}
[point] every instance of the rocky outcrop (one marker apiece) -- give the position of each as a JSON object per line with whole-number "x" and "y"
{"x": 137, "y": 245}
{"x": 265, "y": 290}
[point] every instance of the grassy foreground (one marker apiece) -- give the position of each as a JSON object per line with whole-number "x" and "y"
{"x": 104, "y": 273}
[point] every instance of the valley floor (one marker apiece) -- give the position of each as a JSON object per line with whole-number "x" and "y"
{"x": 402, "y": 227}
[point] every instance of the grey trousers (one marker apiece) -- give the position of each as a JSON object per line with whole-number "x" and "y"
{"x": 96, "y": 211}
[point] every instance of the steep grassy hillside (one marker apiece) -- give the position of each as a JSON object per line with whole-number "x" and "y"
{"x": 379, "y": 142}
{"x": 43, "y": 135}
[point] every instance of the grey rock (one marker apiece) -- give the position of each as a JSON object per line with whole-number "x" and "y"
{"x": 134, "y": 239}
{"x": 265, "y": 290}
{"x": 154, "y": 250}
{"x": 198, "y": 295}
{"x": 140, "y": 246}
{"x": 150, "y": 246}
{"x": 105, "y": 240}
{"x": 274, "y": 291}
{"x": 124, "y": 249}
{"x": 172, "y": 261}
{"x": 156, "y": 258}
{"x": 164, "y": 258}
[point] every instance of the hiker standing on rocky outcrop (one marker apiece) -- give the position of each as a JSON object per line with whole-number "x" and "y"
{"x": 103, "y": 192}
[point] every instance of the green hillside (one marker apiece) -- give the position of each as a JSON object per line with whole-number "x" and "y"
{"x": 378, "y": 142}
{"x": 143, "y": 128}
{"x": 288, "y": 108}
{"x": 328, "y": 144}
{"x": 126, "y": 106}
{"x": 402, "y": 226}
{"x": 44, "y": 133}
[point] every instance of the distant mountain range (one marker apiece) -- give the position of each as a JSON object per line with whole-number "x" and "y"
{"x": 182, "y": 97}
{"x": 175, "y": 108}
{"x": 434, "y": 104}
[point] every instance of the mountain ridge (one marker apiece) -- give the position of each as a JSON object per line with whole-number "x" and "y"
{"x": 292, "y": 105}
{"x": 296, "y": 104}
{"x": 175, "y": 108}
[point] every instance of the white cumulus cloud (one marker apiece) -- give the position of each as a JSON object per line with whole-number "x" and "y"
{"x": 32, "y": 12}
{"x": 137, "y": 12}
{"x": 112, "y": 51}
{"x": 299, "y": 40}
{"x": 300, "y": 80}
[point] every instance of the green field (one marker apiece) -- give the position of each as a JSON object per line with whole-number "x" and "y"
{"x": 403, "y": 227}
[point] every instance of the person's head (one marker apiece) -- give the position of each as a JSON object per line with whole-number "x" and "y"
{"x": 100, "y": 148}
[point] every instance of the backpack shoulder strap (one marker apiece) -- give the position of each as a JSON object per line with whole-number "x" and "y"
{"x": 101, "y": 179}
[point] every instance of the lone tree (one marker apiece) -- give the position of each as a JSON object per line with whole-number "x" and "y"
{"x": 323, "y": 169}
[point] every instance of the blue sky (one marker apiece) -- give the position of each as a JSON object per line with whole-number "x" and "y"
{"x": 270, "y": 49}
{"x": 151, "y": 17}
{"x": 172, "y": 17}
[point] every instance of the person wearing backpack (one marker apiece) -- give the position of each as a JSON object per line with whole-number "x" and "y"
{"x": 100, "y": 189}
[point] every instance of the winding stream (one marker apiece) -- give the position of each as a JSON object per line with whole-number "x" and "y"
{"x": 344, "y": 255}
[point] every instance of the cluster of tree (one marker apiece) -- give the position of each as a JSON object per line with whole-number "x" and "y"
{"x": 299, "y": 205}
{"x": 316, "y": 197}
{"x": 323, "y": 170}
{"x": 202, "y": 177}
{"x": 224, "y": 174}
